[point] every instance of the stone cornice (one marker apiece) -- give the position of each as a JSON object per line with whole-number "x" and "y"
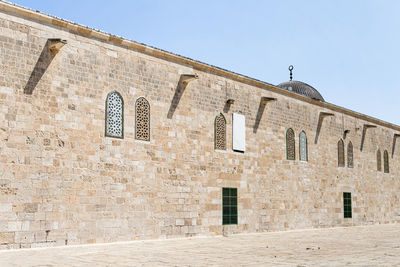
{"x": 33, "y": 15}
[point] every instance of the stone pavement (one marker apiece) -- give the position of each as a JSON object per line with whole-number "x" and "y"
{"x": 363, "y": 245}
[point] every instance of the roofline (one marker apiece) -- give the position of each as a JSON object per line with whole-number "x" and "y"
{"x": 35, "y": 15}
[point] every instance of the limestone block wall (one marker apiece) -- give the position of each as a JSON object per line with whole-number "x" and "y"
{"x": 63, "y": 182}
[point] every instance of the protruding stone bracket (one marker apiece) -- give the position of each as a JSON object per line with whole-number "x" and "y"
{"x": 345, "y": 133}
{"x": 266, "y": 99}
{"x": 321, "y": 117}
{"x": 230, "y": 101}
{"x": 228, "y": 104}
{"x": 56, "y": 44}
{"x": 50, "y": 49}
{"x": 395, "y": 136}
{"x": 261, "y": 107}
{"x": 184, "y": 80}
{"x": 364, "y": 132}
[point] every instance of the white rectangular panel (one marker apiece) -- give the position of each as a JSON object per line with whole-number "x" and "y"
{"x": 239, "y": 132}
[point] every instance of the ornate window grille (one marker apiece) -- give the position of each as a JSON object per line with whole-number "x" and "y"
{"x": 350, "y": 159}
{"x": 114, "y": 115}
{"x": 142, "y": 119}
{"x": 303, "y": 146}
{"x": 220, "y": 132}
{"x": 386, "y": 161}
{"x": 290, "y": 145}
{"x": 340, "y": 153}
{"x": 379, "y": 161}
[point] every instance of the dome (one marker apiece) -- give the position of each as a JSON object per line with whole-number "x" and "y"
{"x": 302, "y": 89}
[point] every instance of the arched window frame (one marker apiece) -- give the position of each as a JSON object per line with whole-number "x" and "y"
{"x": 291, "y": 142}
{"x": 341, "y": 158}
{"x": 305, "y": 156}
{"x": 379, "y": 160}
{"x": 106, "y": 131}
{"x": 138, "y": 137}
{"x": 350, "y": 155}
{"x": 386, "y": 162}
{"x": 216, "y": 134}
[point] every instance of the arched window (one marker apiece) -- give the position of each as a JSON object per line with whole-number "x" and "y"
{"x": 303, "y": 146}
{"x": 379, "y": 161}
{"x": 220, "y": 132}
{"x": 290, "y": 145}
{"x": 350, "y": 162}
{"x": 340, "y": 153}
{"x": 386, "y": 161}
{"x": 114, "y": 115}
{"x": 142, "y": 119}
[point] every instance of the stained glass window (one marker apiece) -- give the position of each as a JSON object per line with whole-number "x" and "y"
{"x": 303, "y": 146}
{"x": 341, "y": 153}
{"x": 290, "y": 145}
{"x": 114, "y": 115}
{"x": 386, "y": 161}
{"x": 142, "y": 119}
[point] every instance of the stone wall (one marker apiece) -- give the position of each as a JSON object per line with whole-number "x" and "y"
{"x": 63, "y": 182}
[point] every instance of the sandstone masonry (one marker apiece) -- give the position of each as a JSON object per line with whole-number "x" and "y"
{"x": 64, "y": 182}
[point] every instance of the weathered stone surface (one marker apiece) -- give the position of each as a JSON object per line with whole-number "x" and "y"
{"x": 64, "y": 182}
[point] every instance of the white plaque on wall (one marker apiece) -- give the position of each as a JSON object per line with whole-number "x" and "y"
{"x": 239, "y": 132}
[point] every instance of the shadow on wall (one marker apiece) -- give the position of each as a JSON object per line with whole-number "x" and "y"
{"x": 394, "y": 143}
{"x": 49, "y": 51}
{"x": 321, "y": 117}
{"x": 182, "y": 83}
{"x": 175, "y": 100}
{"x": 260, "y": 112}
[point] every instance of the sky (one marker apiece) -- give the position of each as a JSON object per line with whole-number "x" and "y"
{"x": 348, "y": 50}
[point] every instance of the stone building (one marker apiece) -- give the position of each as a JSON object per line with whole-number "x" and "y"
{"x": 104, "y": 139}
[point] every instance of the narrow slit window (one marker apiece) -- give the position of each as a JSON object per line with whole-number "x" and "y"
{"x": 114, "y": 115}
{"x": 290, "y": 145}
{"x": 386, "y": 161}
{"x": 341, "y": 153}
{"x": 142, "y": 119}
{"x": 347, "y": 205}
{"x": 220, "y": 132}
{"x": 350, "y": 160}
{"x": 229, "y": 206}
{"x": 378, "y": 161}
{"x": 303, "y": 146}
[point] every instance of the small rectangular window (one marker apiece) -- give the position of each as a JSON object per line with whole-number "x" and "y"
{"x": 229, "y": 206}
{"x": 347, "y": 204}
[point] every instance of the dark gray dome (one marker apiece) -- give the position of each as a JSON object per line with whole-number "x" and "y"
{"x": 302, "y": 89}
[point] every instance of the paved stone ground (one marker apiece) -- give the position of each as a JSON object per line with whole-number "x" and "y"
{"x": 365, "y": 245}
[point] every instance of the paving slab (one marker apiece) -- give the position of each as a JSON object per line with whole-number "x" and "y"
{"x": 373, "y": 245}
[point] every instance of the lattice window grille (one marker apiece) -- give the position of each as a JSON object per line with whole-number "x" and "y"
{"x": 290, "y": 145}
{"x": 114, "y": 115}
{"x": 303, "y": 146}
{"x": 229, "y": 206}
{"x": 379, "y": 161}
{"x": 350, "y": 160}
{"x": 220, "y": 132}
{"x": 142, "y": 119}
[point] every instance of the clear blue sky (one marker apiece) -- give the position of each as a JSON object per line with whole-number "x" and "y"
{"x": 348, "y": 50}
